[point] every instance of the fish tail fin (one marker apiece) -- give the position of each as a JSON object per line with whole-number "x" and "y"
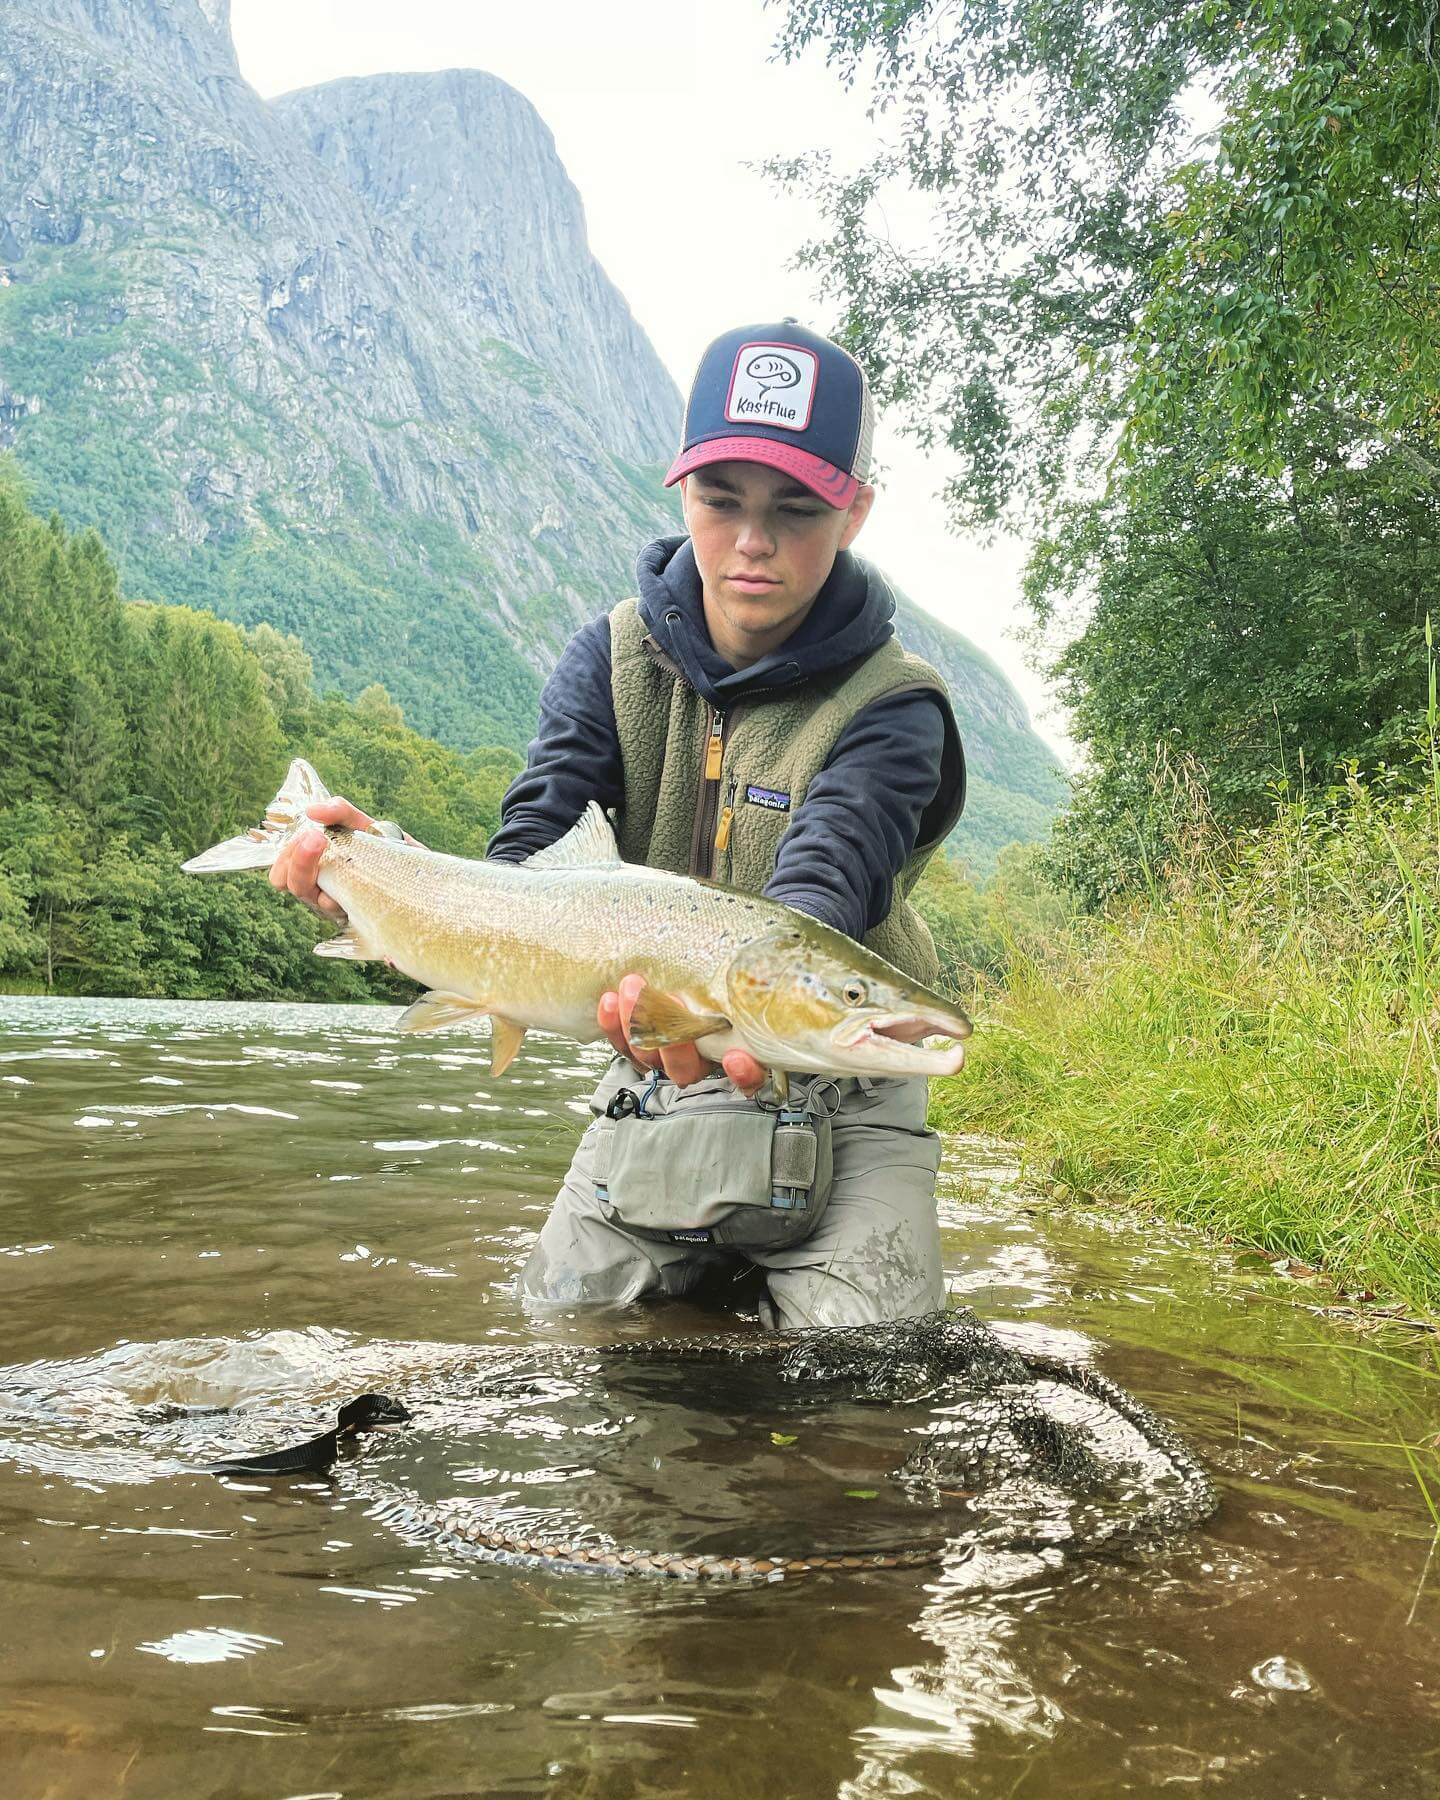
{"x": 258, "y": 847}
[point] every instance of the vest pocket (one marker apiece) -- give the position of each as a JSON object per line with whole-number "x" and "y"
{"x": 706, "y": 1165}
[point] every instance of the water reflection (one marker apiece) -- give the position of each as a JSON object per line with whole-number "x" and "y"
{"x": 273, "y": 1208}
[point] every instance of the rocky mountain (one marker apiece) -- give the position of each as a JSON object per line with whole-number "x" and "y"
{"x": 343, "y": 362}
{"x": 461, "y": 169}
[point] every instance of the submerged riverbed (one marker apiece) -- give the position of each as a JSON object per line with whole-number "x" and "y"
{"x": 273, "y": 1207}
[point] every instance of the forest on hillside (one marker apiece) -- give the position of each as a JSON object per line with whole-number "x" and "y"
{"x": 137, "y": 733}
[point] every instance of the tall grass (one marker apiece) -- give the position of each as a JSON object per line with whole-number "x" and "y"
{"x": 1251, "y": 1047}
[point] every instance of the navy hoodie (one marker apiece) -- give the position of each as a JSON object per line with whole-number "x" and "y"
{"x": 863, "y": 813}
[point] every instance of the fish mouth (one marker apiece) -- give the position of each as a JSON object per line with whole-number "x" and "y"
{"x": 875, "y": 1037}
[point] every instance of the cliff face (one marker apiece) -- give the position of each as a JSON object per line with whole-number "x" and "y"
{"x": 463, "y": 173}
{"x": 262, "y": 372}
{"x": 343, "y": 362}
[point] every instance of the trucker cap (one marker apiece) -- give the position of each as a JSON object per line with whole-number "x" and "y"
{"x": 782, "y": 396}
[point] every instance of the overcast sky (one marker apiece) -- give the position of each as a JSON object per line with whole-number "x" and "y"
{"x": 656, "y": 107}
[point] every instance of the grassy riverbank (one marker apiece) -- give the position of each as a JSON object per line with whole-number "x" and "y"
{"x": 1252, "y": 1050}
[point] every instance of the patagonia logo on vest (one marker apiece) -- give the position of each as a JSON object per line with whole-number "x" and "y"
{"x": 771, "y": 798}
{"x": 691, "y": 1237}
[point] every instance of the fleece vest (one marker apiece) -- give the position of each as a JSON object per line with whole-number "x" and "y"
{"x": 711, "y": 794}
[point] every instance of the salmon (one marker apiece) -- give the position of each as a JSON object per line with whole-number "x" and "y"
{"x": 534, "y": 945}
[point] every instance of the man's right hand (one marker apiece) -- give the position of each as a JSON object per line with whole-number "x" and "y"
{"x": 294, "y": 869}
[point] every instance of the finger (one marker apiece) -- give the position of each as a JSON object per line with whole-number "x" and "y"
{"x": 747, "y": 1074}
{"x": 607, "y": 1017}
{"x": 684, "y": 1064}
{"x": 336, "y": 811}
{"x": 630, "y": 990}
{"x": 306, "y": 849}
{"x": 302, "y": 868}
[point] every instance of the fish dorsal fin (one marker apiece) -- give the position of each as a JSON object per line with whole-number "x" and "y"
{"x": 589, "y": 843}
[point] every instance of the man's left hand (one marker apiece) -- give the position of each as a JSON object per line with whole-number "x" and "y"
{"x": 682, "y": 1063}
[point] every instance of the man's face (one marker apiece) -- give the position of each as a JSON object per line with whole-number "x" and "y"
{"x": 764, "y": 544}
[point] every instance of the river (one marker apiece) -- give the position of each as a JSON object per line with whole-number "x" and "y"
{"x": 272, "y": 1207}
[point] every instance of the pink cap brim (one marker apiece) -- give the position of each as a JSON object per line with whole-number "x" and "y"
{"x": 832, "y": 485}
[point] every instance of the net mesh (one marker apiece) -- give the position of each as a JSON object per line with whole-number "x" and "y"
{"x": 1015, "y": 1452}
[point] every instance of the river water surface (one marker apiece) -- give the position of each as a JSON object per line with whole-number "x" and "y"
{"x": 271, "y": 1208}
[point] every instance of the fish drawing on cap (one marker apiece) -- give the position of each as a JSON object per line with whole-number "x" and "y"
{"x": 536, "y": 944}
{"x": 773, "y": 371}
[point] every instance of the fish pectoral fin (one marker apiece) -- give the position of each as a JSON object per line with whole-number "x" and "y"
{"x": 435, "y": 1010}
{"x": 506, "y": 1037}
{"x": 349, "y": 944}
{"x": 660, "y": 1018}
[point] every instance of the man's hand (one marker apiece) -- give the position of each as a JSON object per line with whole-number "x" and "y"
{"x": 293, "y": 870}
{"x": 683, "y": 1063}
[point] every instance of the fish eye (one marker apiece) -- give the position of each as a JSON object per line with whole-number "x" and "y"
{"x": 855, "y": 993}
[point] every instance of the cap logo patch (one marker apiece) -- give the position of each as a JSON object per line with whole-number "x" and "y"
{"x": 772, "y": 384}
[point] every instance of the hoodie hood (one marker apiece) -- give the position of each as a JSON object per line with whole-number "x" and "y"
{"x": 851, "y": 617}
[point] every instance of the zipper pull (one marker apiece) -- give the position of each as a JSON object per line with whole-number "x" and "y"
{"x": 727, "y": 816}
{"x": 715, "y": 747}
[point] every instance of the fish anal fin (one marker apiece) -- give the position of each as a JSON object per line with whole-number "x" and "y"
{"x": 435, "y": 1010}
{"x": 506, "y": 1037}
{"x": 660, "y": 1018}
{"x": 349, "y": 944}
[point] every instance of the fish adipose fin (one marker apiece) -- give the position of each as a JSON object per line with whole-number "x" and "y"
{"x": 589, "y": 843}
{"x": 258, "y": 847}
{"x": 660, "y": 1018}
{"x": 435, "y": 1010}
{"x": 506, "y": 1037}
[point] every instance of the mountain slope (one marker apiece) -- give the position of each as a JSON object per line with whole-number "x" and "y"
{"x": 345, "y": 363}
{"x": 269, "y": 402}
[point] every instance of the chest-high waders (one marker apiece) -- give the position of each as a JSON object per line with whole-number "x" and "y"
{"x": 670, "y": 1185}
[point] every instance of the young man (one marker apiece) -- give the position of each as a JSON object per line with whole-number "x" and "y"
{"x": 750, "y": 718}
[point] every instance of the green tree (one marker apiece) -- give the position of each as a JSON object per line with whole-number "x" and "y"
{"x": 374, "y": 703}
{"x": 1200, "y": 363}
{"x": 210, "y": 749}
{"x": 135, "y": 735}
{"x": 1093, "y": 257}
{"x": 286, "y": 673}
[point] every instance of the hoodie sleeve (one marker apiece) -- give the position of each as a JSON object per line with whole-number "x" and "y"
{"x": 860, "y": 818}
{"x": 574, "y": 757}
